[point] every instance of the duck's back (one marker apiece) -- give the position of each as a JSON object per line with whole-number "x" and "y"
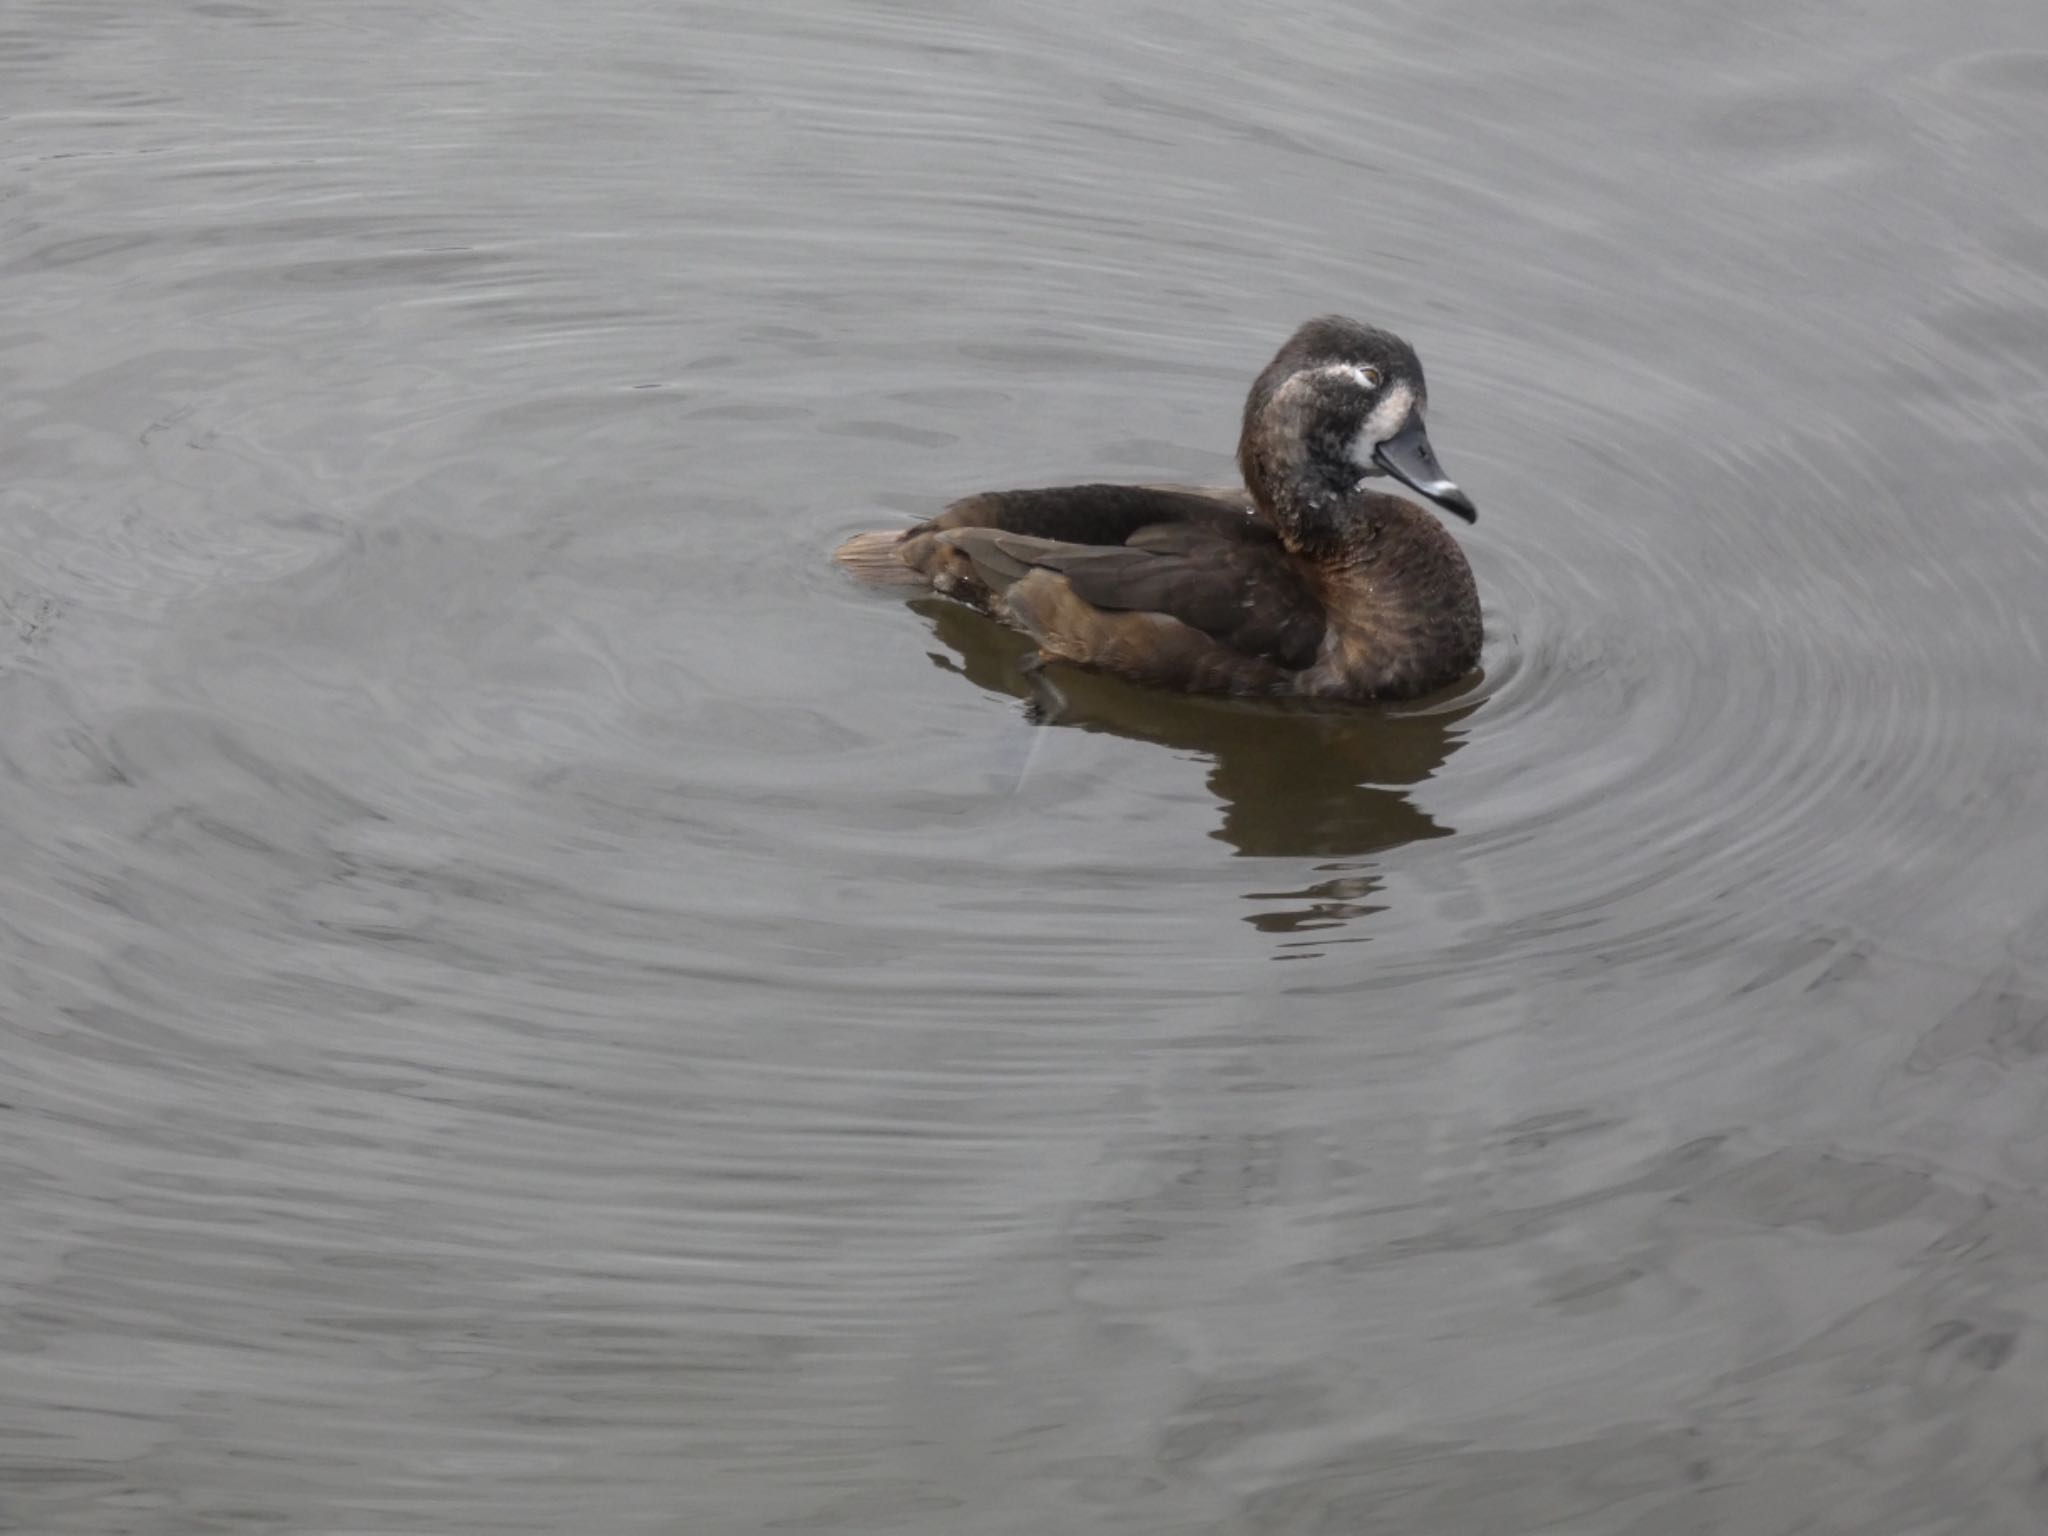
{"x": 1099, "y": 514}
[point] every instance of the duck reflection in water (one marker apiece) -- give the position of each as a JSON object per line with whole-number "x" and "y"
{"x": 1294, "y": 782}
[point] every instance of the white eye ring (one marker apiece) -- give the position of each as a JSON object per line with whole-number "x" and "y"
{"x": 1370, "y": 376}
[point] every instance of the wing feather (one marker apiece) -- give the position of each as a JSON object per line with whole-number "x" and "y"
{"x": 1240, "y": 590}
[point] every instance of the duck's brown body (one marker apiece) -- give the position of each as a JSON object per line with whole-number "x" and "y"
{"x": 1308, "y": 584}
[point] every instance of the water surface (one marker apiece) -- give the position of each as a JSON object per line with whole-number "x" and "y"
{"x": 530, "y": 1004}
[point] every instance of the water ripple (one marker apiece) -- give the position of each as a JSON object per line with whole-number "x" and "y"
{"x": 527, "y": 994}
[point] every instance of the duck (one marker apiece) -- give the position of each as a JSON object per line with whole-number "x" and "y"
{"x": 1306, "y": 583}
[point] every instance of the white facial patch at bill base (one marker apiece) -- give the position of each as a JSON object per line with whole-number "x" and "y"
{"x": 1387, "y": 418}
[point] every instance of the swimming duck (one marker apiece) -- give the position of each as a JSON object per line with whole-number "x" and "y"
{"x": 1305, "y": 584}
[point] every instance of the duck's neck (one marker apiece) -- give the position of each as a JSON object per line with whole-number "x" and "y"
{"x": 1310, "y": 498}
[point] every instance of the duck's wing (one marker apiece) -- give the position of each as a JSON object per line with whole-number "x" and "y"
{"x": 1235, "y": 586}
{"x": 1078, "y": 518}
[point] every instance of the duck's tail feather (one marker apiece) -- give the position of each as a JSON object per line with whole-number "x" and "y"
{"x": 878, "y": 557}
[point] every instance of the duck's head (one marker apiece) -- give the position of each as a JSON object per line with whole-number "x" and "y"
{"x": 1341, "y": 401}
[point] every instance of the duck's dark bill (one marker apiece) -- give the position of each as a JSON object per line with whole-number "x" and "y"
{"x": 1408, "y": 457}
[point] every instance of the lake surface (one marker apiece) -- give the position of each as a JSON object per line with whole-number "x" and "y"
{"x": 530, "y": 1003}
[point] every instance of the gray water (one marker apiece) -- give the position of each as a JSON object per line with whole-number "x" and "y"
{"x": 529, "y": 1003}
